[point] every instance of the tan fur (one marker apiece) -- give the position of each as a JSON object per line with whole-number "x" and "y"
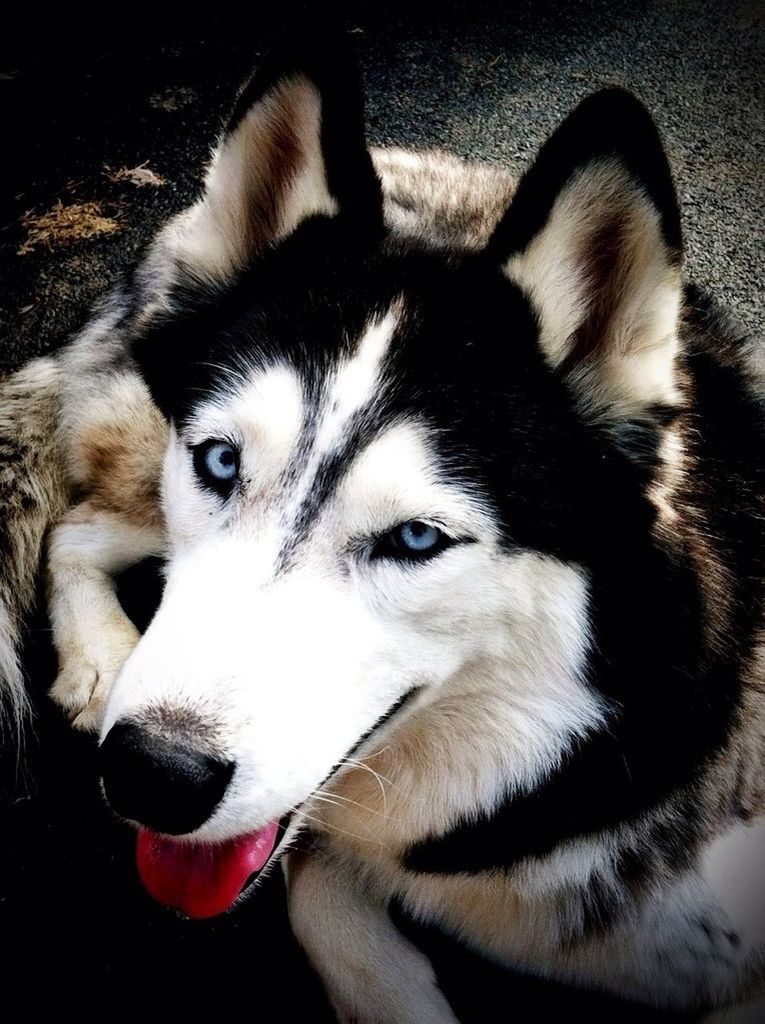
{"x": 32, "y": 491}
{"x": 122, "y": 462}
{"x": 438, "y": 197}
{"x": 112, "y": 441}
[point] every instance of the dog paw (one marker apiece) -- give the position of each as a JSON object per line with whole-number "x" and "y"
{"x": 83, "y": 685}
{"x": 80, "y": 690}
{"x": 91, "y": 717}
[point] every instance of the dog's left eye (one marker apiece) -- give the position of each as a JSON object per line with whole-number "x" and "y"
{"x": 414, "y": 540}
{"x": 217, "y": 464}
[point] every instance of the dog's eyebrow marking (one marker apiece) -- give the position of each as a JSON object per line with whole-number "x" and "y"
{"x": 330, "y": 471}
{"x": 354, "y": 383}
{"x": 268, "y": 414}
{"x": 344, "y": 420}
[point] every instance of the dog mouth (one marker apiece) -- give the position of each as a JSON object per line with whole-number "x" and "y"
{"x": 204, "y": 879}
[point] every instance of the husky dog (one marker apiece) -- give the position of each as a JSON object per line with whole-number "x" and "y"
{"x": 460, "y": 492}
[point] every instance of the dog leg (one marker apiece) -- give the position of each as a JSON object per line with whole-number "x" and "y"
{"x": 92, "y": 635}
{"x": 373, "y": 975}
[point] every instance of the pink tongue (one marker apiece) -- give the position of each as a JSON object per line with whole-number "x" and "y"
{"x": 201, "y": 880}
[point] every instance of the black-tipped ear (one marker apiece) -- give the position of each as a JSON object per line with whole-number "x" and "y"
{"x": 294, "y": 148}
{"x": 593, "y": 237}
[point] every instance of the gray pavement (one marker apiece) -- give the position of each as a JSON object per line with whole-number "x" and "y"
{"x": 486, "y": 80}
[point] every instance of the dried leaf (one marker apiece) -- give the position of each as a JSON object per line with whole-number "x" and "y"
{"x": 63, "y": 225}
{"x": 140, "y": 176}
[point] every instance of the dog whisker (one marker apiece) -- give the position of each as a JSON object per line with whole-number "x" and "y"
{"x": 335, "y": 798}
{"x": 342, "y": 831}
{"x": 381, "y": 779}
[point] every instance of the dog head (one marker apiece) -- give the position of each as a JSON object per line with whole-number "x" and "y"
{"x": 392, "y": 467}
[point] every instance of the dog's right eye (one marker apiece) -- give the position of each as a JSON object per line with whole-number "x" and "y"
{"x": 217, "y": 465}
{"x": 412, "y": 541}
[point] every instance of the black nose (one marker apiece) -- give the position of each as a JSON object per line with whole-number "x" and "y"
{"x": 165, "y": 785}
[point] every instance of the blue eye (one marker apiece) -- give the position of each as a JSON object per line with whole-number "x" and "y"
{"x": 417, "y": 537}
{"x": 412, "y": 541}
{"x": 217, "y": 465}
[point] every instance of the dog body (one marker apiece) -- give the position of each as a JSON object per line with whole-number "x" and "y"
{"x": 460, "y": 492}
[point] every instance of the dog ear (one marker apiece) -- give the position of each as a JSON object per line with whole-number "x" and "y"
{"x": 293, "y": 148}
{"x": 593, "y": 238}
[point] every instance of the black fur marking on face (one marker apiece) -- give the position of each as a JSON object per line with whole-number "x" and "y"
{"x": 361, "y": 430}
{"x": 672, "y": 696}
{"x": 257, "y": 318}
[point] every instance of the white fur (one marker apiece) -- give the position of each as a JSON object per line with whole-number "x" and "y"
{"x": 635, "y": 365}
{"x": 401, "y": 988}
{"x": 733, "y": 868}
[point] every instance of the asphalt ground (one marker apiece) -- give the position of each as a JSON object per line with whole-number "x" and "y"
{"x": 84, "y": 103}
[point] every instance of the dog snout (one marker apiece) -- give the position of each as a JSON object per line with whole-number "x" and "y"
{"x": 165, "y": 784}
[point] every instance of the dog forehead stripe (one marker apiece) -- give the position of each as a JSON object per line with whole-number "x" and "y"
{"x": 345, "y": 420}
{"x": 354, "y": 383}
